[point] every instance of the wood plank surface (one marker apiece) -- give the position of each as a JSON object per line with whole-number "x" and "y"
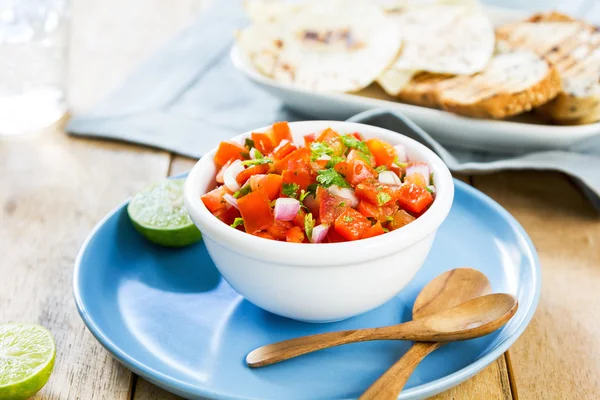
{"x": 558, "y": 356}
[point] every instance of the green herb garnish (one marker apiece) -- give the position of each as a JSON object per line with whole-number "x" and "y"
{"x": 237, "y": 222}
{"x": 249, "y": 143}
{"x": 386, "y": 230}
{"x": 312, "y": 188}
{"x": 334, "y": 161}
{"x": 431, "y": 179}
{"x": 242, "y": 192}
{"x": 341, "y": 204}
{"x": 382, "y": 198}
{"x": 400, "y": 164}
{"x": 328, "y": 177}
{"x": 351, "y": 141}
{"x": 245, "y": 155}
{"x": 429, "y": 189}
{"x": 389, "y": 218}
{"x": 381, "y": 168}
{"x": 348, "y": 218}
{"x": 303, "y": 195}
{"x": 318, "y": 150}
{"x": 309, "y": 224}
{"x": 290, "y": 189}
{"x": 257, "y": 161}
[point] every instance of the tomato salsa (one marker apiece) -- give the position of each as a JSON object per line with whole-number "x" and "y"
{"x": 332, "y": 188}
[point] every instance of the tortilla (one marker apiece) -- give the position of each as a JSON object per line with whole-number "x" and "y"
{"x": 443, "y": 39}
{"x": 331, "y": 46}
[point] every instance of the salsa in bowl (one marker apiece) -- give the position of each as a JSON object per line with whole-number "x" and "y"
{"x": 278, "y": 264}
{"x": 329, "y": 188}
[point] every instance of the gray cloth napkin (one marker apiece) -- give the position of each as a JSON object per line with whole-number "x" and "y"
{"x": 188, "y": 97}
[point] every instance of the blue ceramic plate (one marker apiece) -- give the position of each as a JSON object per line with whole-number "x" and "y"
{"x": 169, "y": 316}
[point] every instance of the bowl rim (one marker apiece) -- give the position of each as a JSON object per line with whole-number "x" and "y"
{"x": 321, "y": 254}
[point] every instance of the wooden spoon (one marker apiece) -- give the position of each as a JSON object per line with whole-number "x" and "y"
{"x": 447, "y": 290}
{"x": 468, "y": 320}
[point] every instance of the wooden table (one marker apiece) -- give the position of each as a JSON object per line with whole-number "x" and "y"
{"x": 54, "y": 189}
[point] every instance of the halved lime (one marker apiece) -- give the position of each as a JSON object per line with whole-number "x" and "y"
{"x": 27, "y": 353}
{"x": 158, "y": 213}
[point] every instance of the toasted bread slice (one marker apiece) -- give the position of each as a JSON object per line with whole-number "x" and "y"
{"x": 423, "y": 89}
{"x": 513, "y": 83}
{"x": 573, "y": 47}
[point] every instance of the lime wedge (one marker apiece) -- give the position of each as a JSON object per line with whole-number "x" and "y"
{"x": 27, "y": 354}
{"x": 158, "y": 213}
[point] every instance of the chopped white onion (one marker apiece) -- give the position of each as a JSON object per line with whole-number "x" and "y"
{"x": 389, "y": 178}
{"x": 401, "y": 153}
{"x": 319, "y": 233}
{"x": 281, "y": 144}
{"x": 286, "y": 209}
{"x": 254, "y": 153}
{"x": 419, "y": 168}
{"x": 346, "y": 193}
{"x": 324, "y": 157}
{"x": 431, "y": 189}
{"x": 230, "y": 175}
{"x": 219, "y": 177}
{"x": 231, "y": 200}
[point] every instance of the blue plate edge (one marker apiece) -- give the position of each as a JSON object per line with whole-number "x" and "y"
{"x": 184, "y": 389}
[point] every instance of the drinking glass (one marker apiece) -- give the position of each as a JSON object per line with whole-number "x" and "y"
{"x": 33, "y": 61}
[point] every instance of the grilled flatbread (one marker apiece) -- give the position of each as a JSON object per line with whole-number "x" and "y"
{"x": 443, "y": 39}
{"x": 573, "y": 47}
{"x": 334, "y": 46}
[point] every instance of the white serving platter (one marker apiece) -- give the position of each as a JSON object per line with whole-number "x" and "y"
{"x": 523, "y": 133}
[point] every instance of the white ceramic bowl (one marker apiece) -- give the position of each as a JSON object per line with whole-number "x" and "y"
{"x": 320, "y": 282}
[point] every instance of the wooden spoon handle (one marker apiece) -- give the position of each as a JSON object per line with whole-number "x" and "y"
{"x": 390, "y": 384}
{"x": 276, "y": 352}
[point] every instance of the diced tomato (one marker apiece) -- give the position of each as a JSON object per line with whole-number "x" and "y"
{"x": 279, "y": 229}
{"x": 228, "y": 215}
{"x": 355, "y": 155}
{"x": 358, "y": 136}
{"x": 359, "y": 171}
{"x": 351, "y": 224}
{"x": 214, "y": 201}
{"x": 413, "y": 198}
{"x": 342, "y": 168}
{"x": 311, "y": 203}
{"x": 296, "y": 160}
{"x": 253, "y": 170}
{"x": 308, "y": 139}
{"x": 262, "y": 142}
{"x": 228, "y": 151}
{"x": 332, "y": 138}
{"x": 299, "y": 177}
{"x": 374, "y": 230}
{"x": 299, "y": 218}
{"x": 264, "y": 235}
{"x": 280, "y": 152}
{"x": 281, "y": 131}
{"x": 400, "y": 219}
{"x": 334, "y": 237}
{"x": 295, "y": 235}
{"x": 330, "y": 206}
{"x": 375, "y": 192}
{"x": 416, "y": 178}
{"x": 368, "y": 209}
{"x": 269, "y": 184}
{"x": 380, "y": 213}
{"x": 384, "y": 153}
{"x": 398, "y": 170}
{"x": 256, "y": 211}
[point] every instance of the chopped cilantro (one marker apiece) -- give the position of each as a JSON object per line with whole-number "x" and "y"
{"x": 237, "y": 222}
{"x": 334, "y": 161}
{"x": 431, "y": 179}
{"x": 342, "y": 204}
{"x": 386, "y": 230}
{"x": 249, "y": 143}
{"x": 389, "y": 218}
{"x": 348, "y": 218}
{"x": 290, "y": 189}
{"x": 245, "y": 155}
{"x": 319, "y": 149}
{"x": 328, "y": 177}
{"x": 382, "y": 198}
{"x": 400, "y": 164}
{"x": 381, "y": 168}
{"x": 272, "y": 203}
{"x": 351, "y": 141}
{"x": 257, "y": 161}
{"x": 429, "y": 189}
{"x": 309, "y": 224}
{"x": 364, "y": 157}
{"x": 303, "y": 195}
{"x": 242, "y": 192}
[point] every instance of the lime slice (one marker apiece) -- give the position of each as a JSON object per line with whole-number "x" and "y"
{"x": 158, "y": 213}
{"x": 27, "y": 354}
